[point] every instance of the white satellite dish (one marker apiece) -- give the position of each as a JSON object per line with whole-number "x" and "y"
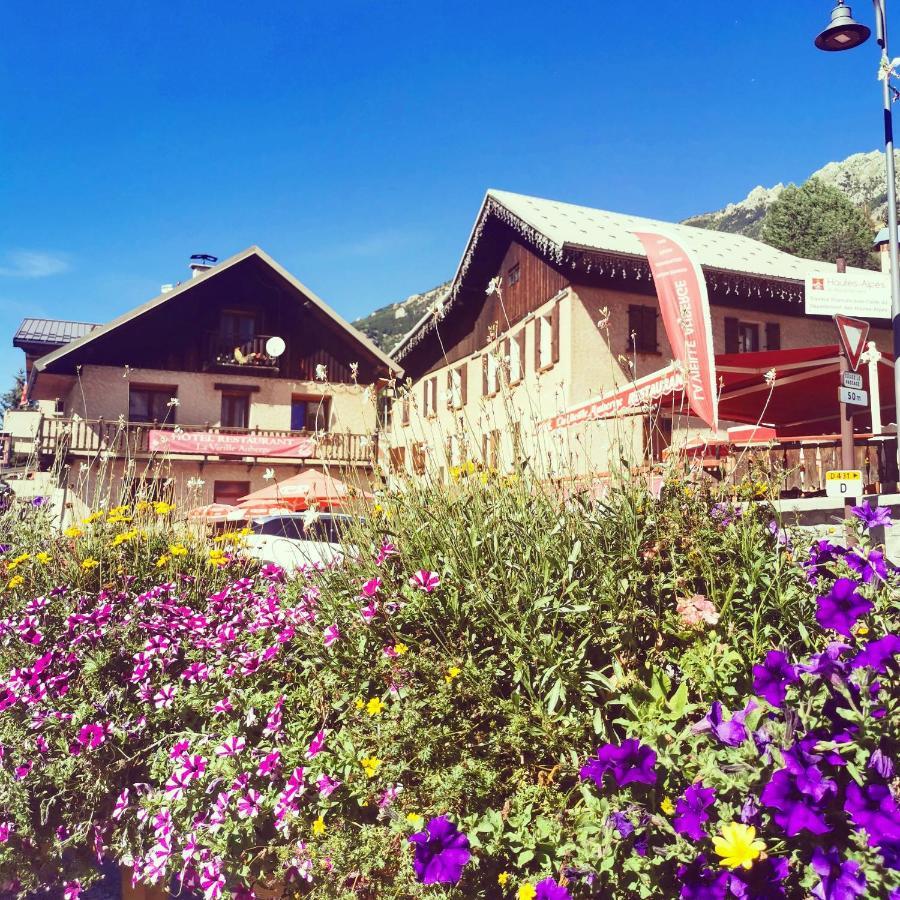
{"x": 275, "y": 346}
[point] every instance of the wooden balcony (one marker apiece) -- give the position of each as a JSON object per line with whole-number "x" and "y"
{"x": 132, "y": 440}
{"x": 251, "y": 356}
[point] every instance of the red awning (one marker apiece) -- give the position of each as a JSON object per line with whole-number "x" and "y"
{"x": 802, "y": 399}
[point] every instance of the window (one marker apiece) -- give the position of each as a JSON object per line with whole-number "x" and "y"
{"x": 490, "y": 449}
{"x": 657, "y": 437}
{"x": 430, "y": 397}
{"x": 235, "y": 410}
{"x": 418, "y": 459}
{"x": 454, "y": 455}
{"x": 456, "y": 387}
{"x": 513, "y": 275}
{"x": 398, "y": 459}
{"x": 744, "y": 337}
{"x": 230, "y": 491}
{"x": 310, "y": 413}
{"x": 546, "y": 341}
{"x": 490, "y": 382}
{"x": 642, "y": 329}
{"x": 385, "y": 409}
{"x": 151, "y": 403}
{"x": 404, "y": 411}
{"x": 515, "y": 353}
{"x": 748, "y": 337}
{"x": 237, "y": 327}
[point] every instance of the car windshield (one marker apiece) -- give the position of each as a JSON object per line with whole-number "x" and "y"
{"x": 326, "y": 528}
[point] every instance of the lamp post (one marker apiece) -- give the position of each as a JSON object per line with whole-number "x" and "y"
{"x": 843, "y": 33}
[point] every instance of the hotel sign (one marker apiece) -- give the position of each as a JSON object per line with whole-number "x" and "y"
{"x": 216, "y": 443}
{"x": 866, "y": 296}
{"x": 636, "y": 397}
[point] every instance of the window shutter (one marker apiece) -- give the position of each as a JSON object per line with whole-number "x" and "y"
{"x": 731, "y": 335}
{"x": 434, "y": 394}
{"x": 449, "y": 388}
{"x": 425, "y": 390}
{"x": 635, "y": 321}
{"x": 463, "y": 372}
{"x": 554, "y": 334}
{"x": 520, "y": 337}
{"x": 405, "y": 412}
{"x": 484, "y": 378}
{"x": 507, "y": 359}
{"x": 536, "y": 326}
{"x": 773, "y": 336}
{"x": 484, "y": 448}
{"x": 651, "y": 343}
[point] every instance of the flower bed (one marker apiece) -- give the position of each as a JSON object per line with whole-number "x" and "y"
{"x": 502, "y": 698}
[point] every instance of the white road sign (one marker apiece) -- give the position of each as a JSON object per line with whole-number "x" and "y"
{"x": 852, "y": 380}
{"x": 853, "y": 396}
{"x": 867, "y": 296}
{"x": 844, "y": 484}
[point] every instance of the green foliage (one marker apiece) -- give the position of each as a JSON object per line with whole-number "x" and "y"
{"x": 817, "y": 221}
{"x": 556, "y": 626}
{"x": 10, "y": 399}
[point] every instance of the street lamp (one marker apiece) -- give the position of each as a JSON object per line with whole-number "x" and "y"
{"x": 843, "y": 33}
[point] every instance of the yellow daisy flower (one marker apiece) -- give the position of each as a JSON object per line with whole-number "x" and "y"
{"x": 318, "y": 828}
{"x": 90, "y": 563}
{"x": 737, "y": 846}
{"x": 370, "y": 765}
{"x": 374, "y": 706}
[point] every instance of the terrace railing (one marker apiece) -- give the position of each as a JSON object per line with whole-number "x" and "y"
{"x": 120, "y": 439}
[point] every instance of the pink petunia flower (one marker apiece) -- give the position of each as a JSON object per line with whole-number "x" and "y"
{"x": 316, "y": 745}
{"x": 331, "y": 634}
{"x": 249, "y": 805}
{"x": 271, "y": 763}
{"x": 223, "y": 706}
{"x": 121, "y": 805}
{"x": 327, "y": 785}
{"x": 369, "y": 611}
{"x": 71, "y": 890}
{"x": 370, "y": 588}
{"x": 6, "y": 829}
{"x": 425, "y": 581}
{"x": 164, "y": 697}
{"x": 231, "y": 746}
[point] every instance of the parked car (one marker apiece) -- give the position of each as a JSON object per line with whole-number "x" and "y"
{"x": 291, "y": 539}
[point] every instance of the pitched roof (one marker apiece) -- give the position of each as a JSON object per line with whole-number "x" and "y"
{"x": 180, "y": 289}
{"x": 581, "y": 227}
{"x": 55, "y": 332}
{"x": 555, "y": 227}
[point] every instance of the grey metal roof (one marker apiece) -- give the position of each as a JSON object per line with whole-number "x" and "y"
{"x": 882, "y": 237}
{"x": 56, "y": 332}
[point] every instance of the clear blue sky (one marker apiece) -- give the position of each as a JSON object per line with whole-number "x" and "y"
{"x": 354, "y": 140}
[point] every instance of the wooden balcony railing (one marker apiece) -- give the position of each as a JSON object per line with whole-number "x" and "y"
{"x": 119, "y": 439}
{"x": 228, "y": 354}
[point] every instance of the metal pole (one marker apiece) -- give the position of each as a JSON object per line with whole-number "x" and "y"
{"x": 872, "y": 357}
{"x": 893, "y": 243}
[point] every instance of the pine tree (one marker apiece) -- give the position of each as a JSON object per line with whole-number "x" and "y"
{"x": 10, "y": 400}
{"x": 817, "y": 221}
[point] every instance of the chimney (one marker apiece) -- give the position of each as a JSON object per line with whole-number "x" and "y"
{"x": 202, "y": 262}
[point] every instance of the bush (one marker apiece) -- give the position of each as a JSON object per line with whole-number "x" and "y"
{"x": 426, "y": 711}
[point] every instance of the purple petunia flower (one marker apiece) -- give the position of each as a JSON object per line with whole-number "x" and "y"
{"x": 699, "y": 882}
{"x": 690, "y": 811}
{"x": 629, "y": 763}
{"x": 731, "y": 732}
{"x": 772, "y": 678}
{"x": 821, "y": 554}
{"x": 828, "y": 664}
{"x": 873, "y": 517}
{"x": 548, "y": 889}
{"x": 841, "y": 607}
{"x": 763, "y": 881}
{"x": 877, "y": 654}
{"x": 441, "y": 852}
{"x": 841, "y": 879}
{"x": 620, "y": 822}
{"x": 881, "y": 763}
{"x": 869, "y": 566}
{"x": 798, "y": 800}
{"x": 873, "y": 808}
